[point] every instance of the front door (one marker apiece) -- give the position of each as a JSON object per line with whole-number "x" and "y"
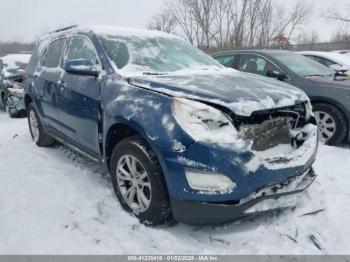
{"x": 79, "y": 98}
{"x": 256, "y": 64}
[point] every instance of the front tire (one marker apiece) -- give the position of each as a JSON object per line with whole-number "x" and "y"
{"x": 138, "y": 181}
{"x": 331, "y": 122}
{"x": 37, "y": 131}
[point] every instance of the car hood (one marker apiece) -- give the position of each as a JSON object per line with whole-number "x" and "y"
{"x": 240, "y": 92}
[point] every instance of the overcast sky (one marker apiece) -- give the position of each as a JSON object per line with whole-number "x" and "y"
{"x": 24, "y": 20}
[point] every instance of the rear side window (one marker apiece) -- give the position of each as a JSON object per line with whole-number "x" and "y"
{"x": 53, "y": 53}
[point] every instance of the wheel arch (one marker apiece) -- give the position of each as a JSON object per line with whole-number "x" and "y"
{"x": 115, "y": 134}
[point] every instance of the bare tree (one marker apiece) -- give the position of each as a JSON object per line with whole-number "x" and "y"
{"x": 334, "y": 15}
{"x": 307, "y": 38}
{"x": 163, "y": 21}
{"x": 230, "y": 23}
{"x": 182, "y": 12}
{"x": 297, "y": 17}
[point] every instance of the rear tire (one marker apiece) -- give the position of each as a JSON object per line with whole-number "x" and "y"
{"x": 332, "y": 123}
{"x": 37, "y": 131}
{"x": 157, "y": 209}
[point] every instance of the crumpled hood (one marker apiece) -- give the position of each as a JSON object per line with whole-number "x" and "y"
{"x": 241, "y": 92}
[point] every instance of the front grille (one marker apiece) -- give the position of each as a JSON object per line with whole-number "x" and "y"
{"x": 269, "y": 128}
{"x": 268, "y": 134}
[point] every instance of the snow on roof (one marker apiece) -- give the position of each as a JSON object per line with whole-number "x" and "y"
{"x": 123, "y": 31}
{"x": 111, "y": 31}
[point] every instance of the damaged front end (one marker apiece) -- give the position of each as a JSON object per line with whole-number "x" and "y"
{"x": 280, "y": 138}
{"x": 242, "y": 167}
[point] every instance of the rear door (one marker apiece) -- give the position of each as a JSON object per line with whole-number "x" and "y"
{"x": 79, "y": 98}
{"x": 46, "y": 76}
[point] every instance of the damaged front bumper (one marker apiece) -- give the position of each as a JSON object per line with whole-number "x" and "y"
{"x": 268, "y": 199}
{"x": 257, "y": 178}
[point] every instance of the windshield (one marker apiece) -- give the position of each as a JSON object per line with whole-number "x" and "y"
{"x": 154, "y": 54}
{"x": 303, "y": 66}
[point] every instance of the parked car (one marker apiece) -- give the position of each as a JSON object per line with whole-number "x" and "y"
{"x": 343, "y": 52}
{"x": 11, "y": 83}
{"x": 182, "y": 137}
{"x": 330, "y": 98}
{"x": 338, "y": 62}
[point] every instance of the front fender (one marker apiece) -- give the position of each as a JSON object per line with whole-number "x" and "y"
{"x": 146, "y": 111}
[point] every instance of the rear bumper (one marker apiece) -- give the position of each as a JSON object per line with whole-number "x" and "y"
{"x": 267, "y": 199}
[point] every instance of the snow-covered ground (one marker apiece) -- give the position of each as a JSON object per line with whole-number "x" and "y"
{"x": 53, "y": 201}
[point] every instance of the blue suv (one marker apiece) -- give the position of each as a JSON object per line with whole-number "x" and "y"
{"x": 183, "y": 138}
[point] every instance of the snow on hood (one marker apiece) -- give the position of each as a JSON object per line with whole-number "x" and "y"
{"x": 14, "y": 63}
{"x": 241, "y": 92}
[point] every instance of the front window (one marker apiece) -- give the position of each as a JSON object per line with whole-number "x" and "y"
{"x": 80, "y": 48}
{"x": 139, "y": 54}
{"x": 256, "y": 65}
{"x": 302, "y": 66}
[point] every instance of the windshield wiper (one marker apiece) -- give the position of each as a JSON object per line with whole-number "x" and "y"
{"x": 153, "y": 73}
{"x": 315, "y": 75}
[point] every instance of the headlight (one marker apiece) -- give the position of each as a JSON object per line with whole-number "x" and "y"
{"x": 204, "y": 123}
{"x": 16, "y": 92}
{"x": 209, "y": 182}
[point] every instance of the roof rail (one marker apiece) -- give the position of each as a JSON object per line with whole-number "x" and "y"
{"x": 64, "y": 29}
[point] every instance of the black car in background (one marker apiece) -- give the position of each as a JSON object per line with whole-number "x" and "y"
{"x": 11, "y": 78}
{"x": 330, "y": 97}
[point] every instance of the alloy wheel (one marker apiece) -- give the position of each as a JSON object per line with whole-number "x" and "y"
{"x": 133, "y": 183}
{"x": 326, "y": 125}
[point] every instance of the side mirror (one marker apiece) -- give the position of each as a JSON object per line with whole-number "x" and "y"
{"x": 276, "y": 74}
{"x": 338, "y": 68}
{"x": 81, "y": 67}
